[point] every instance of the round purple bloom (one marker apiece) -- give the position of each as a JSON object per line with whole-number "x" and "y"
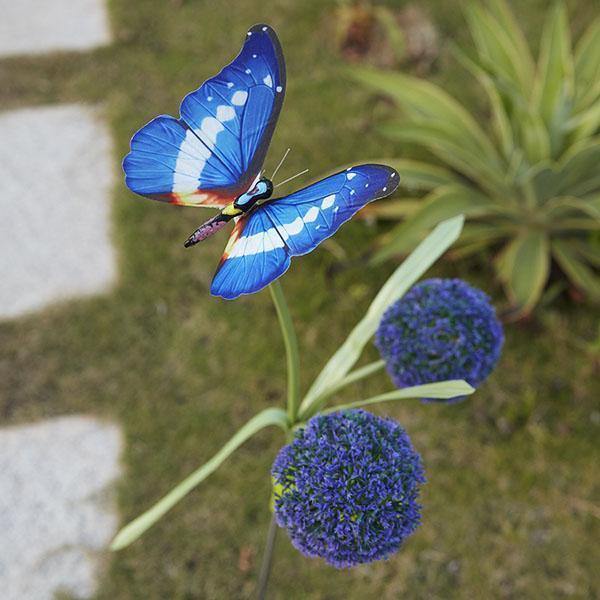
{"x": 346, "y": 488}
{"x": 441, "y": 329}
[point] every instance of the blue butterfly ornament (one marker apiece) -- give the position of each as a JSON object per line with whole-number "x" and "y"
{"x": 213, "y": 156}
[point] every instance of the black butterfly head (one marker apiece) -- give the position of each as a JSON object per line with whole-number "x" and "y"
{"x": 262, "y": 189}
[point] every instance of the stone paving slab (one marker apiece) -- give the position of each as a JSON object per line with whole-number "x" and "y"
{"x": 56, "y": 511}
{"x": 56, "y": 175}
{"x": 40, "y": 26}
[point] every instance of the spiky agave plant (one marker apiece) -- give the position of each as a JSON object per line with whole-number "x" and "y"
{"x": 532, "y": 186}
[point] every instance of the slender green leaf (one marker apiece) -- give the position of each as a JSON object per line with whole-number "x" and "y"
{"x": 524, "y": 267}
{"x": 576, "y": 270}
{"x": 132, "y": 531}
{"x": 424, "y": 255}
{"x": 443, "y": 203}
{"x": 442, "y": 390}
{"x": 352, "y": 377}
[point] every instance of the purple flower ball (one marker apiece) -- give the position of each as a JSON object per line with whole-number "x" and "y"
{"x": 441, "y": 329}
{"x": 346, "y": 488}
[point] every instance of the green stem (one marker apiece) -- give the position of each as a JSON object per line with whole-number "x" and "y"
{"x": 291, "y": 350}
{"x": 267, "y": 562}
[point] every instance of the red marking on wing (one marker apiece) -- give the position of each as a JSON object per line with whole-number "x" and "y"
{"x": 208, "y": 198}
{"x": 235, "y": 235}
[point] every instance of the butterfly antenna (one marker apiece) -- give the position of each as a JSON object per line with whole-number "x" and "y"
{"x": 290, "y": 178}
{"x": 280, "y": 163}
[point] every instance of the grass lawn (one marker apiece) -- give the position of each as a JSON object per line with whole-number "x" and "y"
{"x": 511, "y": 506}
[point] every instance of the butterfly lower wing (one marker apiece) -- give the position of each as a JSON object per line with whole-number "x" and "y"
{"x": 215, "y": 150}
{"x": 254, "y": 257}
{"x": 307, "y": 217}
{"x": 235, "y": 112}
{"x": 262, "y": 243}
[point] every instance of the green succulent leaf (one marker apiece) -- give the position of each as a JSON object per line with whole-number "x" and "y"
{"x": 544, "y": 180}
{"x": 538, "y": 171}
{"x": 585, "y": 123}
{"x": 473, "y": 232}
{"x": 419, "y": 176}
{"x": 497, "y": 49}
{"x": 504, "y": 17}
{"x": 477, "y": 236}
{"x": 554, "y": 89}
{"x": 578, "y": 173}
{"x": 594, "y": 201}
{"x": 396, "y": 209}
{"x": 421, "y": 99}
{"x": 587, "y": 66}
{"x": 535, "y": 138}
{"x": 500, "y": 118}
{"x": 569, "y": 205}
{"x": 566, "y": 255}
{"x": 447, "y": 147}
{"x": 443, "y": 203}
{"x": 524, "y": 267}
{"x": 587, "y": 250}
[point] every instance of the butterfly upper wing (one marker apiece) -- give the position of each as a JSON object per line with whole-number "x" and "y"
{"x": 241, "y": 104}
{"x": 264, "y": 241}
{"x": 168, "y": 162}
{"x": 254, "y": 256}
{"x": 216, "y": 149}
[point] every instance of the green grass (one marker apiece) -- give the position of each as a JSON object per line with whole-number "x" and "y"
{"x": 509, "y": 506}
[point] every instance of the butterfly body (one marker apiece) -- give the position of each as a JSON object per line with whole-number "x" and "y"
{"x": 243, "y": 204}
{"x": 212, "y": 156}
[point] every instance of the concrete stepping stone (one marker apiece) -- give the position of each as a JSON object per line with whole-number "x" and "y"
{"x": 56, "y": 175}
{"x": 56, "y": 513}
{"x": 40, "y": 26}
